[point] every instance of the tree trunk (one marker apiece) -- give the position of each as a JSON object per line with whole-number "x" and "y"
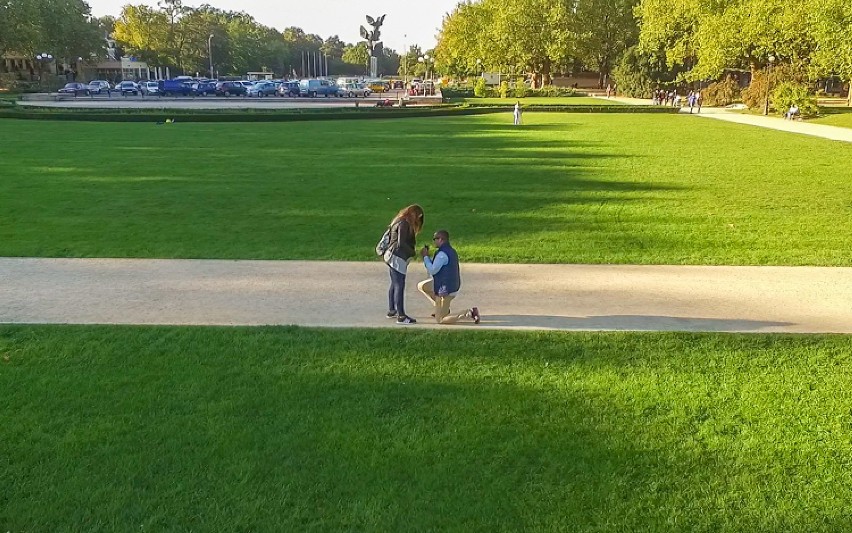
{"x": 849, "y": 95}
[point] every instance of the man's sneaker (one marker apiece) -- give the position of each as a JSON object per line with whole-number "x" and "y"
{"x": 474, "y": 314}
{"x": 405, "y": 320}
{"x": 392, "y": 314}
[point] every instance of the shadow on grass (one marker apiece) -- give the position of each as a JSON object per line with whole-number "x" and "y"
{"x": 631, "y": 323}
{"x": 292, "y": 429}
{"x": 240, "y": 190}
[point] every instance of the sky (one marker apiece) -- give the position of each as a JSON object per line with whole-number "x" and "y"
{"x": 408, "y": 21}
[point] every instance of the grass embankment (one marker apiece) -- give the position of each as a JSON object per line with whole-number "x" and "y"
{"x": 280, "y": 429}
{"x": 835, "y": 116}
{"x": 536, "y": 100}
{"x": 564, "y": 188}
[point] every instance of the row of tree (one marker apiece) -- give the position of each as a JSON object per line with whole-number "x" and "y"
{"x": 705, "y": 39}
{"x": 542, "y": 37}
{"x": 677, "y": 39}
{"x": 178, "y": 36}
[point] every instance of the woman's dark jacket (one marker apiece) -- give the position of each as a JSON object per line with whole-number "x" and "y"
{"x": 402, "y": 241}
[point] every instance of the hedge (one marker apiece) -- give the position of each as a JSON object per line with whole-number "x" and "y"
{"x": 337, "y": 114}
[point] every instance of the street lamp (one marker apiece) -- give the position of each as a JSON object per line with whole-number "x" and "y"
{"x": 43, "y": 58}
{"x": 426, "y": 59}
{"x": 768, "y": 83}
{"x": 210, "y": 53}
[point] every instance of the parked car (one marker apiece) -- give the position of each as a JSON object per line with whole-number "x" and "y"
{"x": 75, "y": 88}
{"x": 314, "y": 88}
{"x": 99, "y": 86}
{"x": 289, "y": 88}
{"x": 174, "y": 87}
{"x": 228, "y": 88}
{"x": 354, "y": 89}
{"x": 261, "y": 89}
{"x": 378, "y": 86}
{"x": 246, "y": 83}
{"x": 149, "y": 88}
{"x": 202, "y": 88}
{"x": 128, "y": 87}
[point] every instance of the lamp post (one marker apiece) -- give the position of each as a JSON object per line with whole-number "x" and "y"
{"x": 210, "y": 53}
{"x": 43, "y": 58}
{"x": 768, "y": 84}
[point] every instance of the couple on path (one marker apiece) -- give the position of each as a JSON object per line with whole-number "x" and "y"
{"x": 397, "y": 248}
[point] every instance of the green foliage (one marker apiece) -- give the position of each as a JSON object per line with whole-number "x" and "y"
{"x": 530, "y": 35}
{"x": 480, "y": 89}
{"x": 63, "y": 28}
{"x": 721, "y": 93}
{"x": 628, "y": 199}
{"x": 552, "y": 91}
{"x": 520, "y": 89}
{"x": 504, "y": 89}
{"x": 788, "y": 93}
{"x": 639, "y": 73}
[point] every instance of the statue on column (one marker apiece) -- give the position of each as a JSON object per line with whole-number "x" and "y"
{"x": 374, "y": 45}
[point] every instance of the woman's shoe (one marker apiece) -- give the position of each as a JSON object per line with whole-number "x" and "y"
{"x": 405, "y": 320}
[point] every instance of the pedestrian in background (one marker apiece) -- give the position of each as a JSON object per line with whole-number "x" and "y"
{"x": 517, "y": 113}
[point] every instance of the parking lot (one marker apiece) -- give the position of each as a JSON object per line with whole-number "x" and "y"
{"x": 116, "y": 101}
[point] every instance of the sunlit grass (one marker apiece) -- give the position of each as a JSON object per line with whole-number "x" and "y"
{"x": 564, "y": 188}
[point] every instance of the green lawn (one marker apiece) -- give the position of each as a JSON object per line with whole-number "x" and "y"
{"x": 564, "y": 188}
{"x": 538, "y": 100}
{"x": 836, "y": 116}
{"x": 285, "y": 429}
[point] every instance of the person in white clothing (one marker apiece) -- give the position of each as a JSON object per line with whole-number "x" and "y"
{"x": 517, "y": 113}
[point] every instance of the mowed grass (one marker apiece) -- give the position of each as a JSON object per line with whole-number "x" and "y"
{"x": 285, "y": 429}
{"x": 564, "y": 188}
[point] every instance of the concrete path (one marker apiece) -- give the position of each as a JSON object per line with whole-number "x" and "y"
{"x": 834, "y": 133}
{"x": 337, "y": 294}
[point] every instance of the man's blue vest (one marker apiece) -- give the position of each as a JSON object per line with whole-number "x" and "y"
{"x": 448, "y": 279}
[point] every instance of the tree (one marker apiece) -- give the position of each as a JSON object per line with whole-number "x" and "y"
{"x": 64, "y": 28}
{"x": 831, "y": 24}
{"x": 357, "y": 54}
{"x": 606, "y": 28}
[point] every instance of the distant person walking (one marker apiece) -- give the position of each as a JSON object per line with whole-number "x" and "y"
{"x": 517, "y": 113}
{"x": 445, "y": 283}
{"x": 400, "y": 249}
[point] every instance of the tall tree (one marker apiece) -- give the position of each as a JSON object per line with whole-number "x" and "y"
{"x": 606, "y": 28}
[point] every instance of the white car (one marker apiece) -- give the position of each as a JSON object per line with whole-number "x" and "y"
{"x": 150, "y": 88}
{"x": 354, "y": 89}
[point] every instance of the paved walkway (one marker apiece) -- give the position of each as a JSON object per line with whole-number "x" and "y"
{"x": 834, "y": 133}
{"x": 338, "y": 294}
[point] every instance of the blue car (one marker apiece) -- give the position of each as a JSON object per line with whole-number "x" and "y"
{"x": 202, "y": 88}
{"x": 174, "y": 87}
{"x": 314, "y": 88}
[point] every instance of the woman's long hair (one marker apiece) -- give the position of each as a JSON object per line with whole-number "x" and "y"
{"x": 414, "y": 215}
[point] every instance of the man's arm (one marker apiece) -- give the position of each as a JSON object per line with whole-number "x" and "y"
{"x": 433, "y": 266}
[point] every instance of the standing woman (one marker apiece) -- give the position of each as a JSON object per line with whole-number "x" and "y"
{"x": 403, "y": 230}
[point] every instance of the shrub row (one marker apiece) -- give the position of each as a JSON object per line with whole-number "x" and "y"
{"x": 160, "y": 116}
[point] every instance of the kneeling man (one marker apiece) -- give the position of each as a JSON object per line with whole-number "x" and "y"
{"x": 445, "y": 282}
